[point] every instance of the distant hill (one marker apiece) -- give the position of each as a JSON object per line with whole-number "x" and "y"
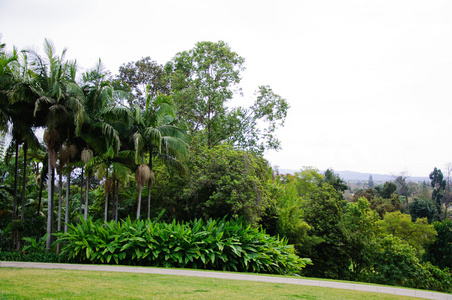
{"x": 357, "y": 176}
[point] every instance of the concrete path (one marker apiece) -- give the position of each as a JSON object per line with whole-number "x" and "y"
{"x": 233, "y": 276}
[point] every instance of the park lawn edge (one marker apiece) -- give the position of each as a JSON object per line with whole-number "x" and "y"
{"x": 223, "y": 272}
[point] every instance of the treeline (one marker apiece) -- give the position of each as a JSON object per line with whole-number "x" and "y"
{"x": 118, "y": 137}
{"x": 377, "y": 236}
{"x": 162, "y": 138}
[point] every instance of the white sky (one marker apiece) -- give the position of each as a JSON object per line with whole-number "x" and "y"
{"x": 369, "y": 82}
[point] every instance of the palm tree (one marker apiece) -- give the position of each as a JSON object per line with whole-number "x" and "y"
{"x": 102, "y": 115}
{"x": 22, "y": 99}
{"x": 17, "y": 99}
{"x": 6, "y": 81}
{"x": 156, "y": 135}
{"x": 60, "y": 100}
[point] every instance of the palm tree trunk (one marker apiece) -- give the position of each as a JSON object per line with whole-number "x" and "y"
{"x": 52, "y": 182}
{"x": 22, "y": 214}
{"x": 117, "y": 200}
{"x": 41, "y": 185}
{"x": 60, "y": 202}
{"x": 149, "y": 200}
{"x": 14, "y": 232}
{"x": 149, "y": 185}
{"x": 16, "y": 171}
{"x": 81, "y": 195}
{"x": 49, "y": 205}
{"x": 66, "y": 212}
{"x": 24, "y": 182}
{"x": 140, "y": 188}
{"x": 106, "y": 198}
{"x": 113, "y": 196}
{"x": 86, "y": 195}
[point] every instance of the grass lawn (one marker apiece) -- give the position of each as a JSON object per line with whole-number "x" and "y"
{"x": 68, "y": 284}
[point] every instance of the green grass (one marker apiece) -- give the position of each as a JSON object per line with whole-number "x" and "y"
{"x": 68, "y": 284}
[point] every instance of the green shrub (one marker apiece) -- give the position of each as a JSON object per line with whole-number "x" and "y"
{"x": 216, "y": 245}
{"x": 396, "y": 263}
{"x": 439, "y": 252}
{"x": 32, "y": 257}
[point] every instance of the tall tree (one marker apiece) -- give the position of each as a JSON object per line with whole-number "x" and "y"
{"x": 371, "y": 182}
{"x": 402, "y": 186}
{"x": 102, "y": 114}
{"x": 155, "y": 134}
{"x": 204, "y": 80}
{"x": 448, "y": 191}
{"x": 20, "y": 111}
{"x": 438, "y": 183}
{"x": 60, "y": 100}
{"x": 335, "y": 181}
{"x": 144, "y": 76}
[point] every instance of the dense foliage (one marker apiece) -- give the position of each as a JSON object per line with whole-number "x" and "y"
{"x": 216, "y": 245}
{"x": 164, "y": 137}
{"x": 439, "y": 251}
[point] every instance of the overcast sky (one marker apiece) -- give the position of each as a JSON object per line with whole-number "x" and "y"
{"x": 369, "y": 82}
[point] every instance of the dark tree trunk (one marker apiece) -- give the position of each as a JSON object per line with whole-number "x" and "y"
{"x": 140, "y": 189}
{"x": 66, "y": 212}
{"x": 149, "y": 185}
{"x": 106, "y": 199}
{"x": 86, "y": 195}
{"x": 60, "y": 202}
{"x": 16, "y": 171}
{"x": 49, "y": 205}
{"x": 41, "y": 185}
{"x": 14, "y": 214}
{"x": 117, "y": 200}
{"x": 81, "y": 195}
{"x": 24, "y": 182}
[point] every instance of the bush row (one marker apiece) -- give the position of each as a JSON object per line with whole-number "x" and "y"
{"x": 216, "y": 245}
{"x": 32, "y": 257}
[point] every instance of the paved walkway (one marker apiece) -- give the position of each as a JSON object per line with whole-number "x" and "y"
{"x": 233, "y": 276}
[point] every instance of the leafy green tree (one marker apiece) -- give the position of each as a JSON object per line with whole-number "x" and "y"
{"x": 417, "y": 234}
{"x": 308, "y": 180}
{"x": 334, "y": 180}
{"x": 223, "y": 182}
{"x": 253, "y": 128}
{"x": 394, "y": 262}
{"x": 284, "y": 216}
{"x": 323, "y": 212}
{"x": 382, "y": 205}
{"x": 204, "y": 80}
{"x": 386, "y": 190}
{"x": 422, "y": 208}
{"x": 369, "y": 194}
{"x": 377, "y": 203}
{"x": 360, "y": 225}
{"x": 439, "y": 252}
{"x": 145, "y": 77}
